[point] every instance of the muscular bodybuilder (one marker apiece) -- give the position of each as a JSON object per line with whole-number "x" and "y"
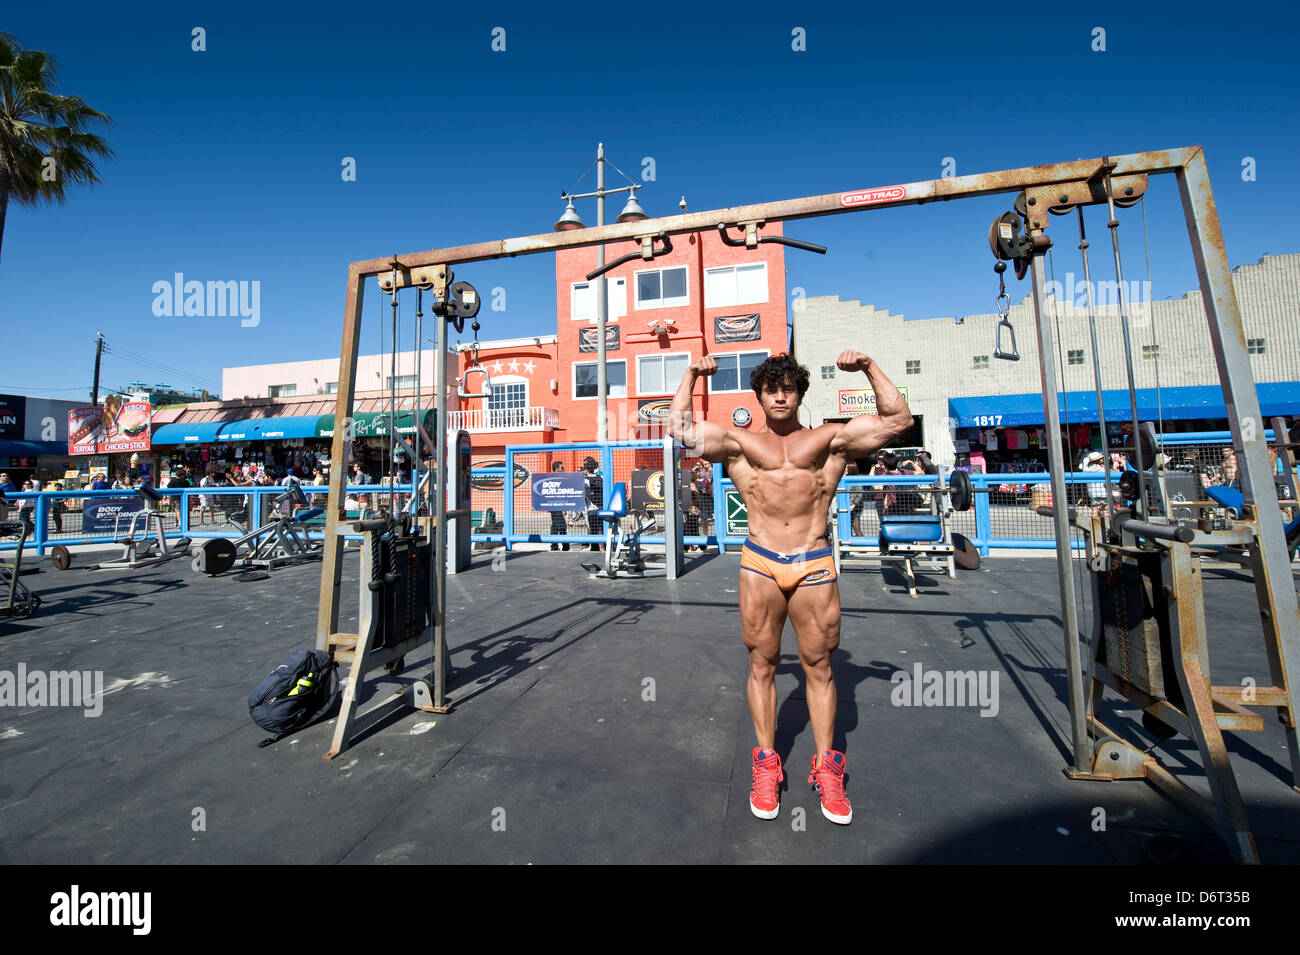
{"x": 787, "y": 475}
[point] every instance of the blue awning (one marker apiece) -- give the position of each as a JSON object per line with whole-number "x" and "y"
{"x": 199, "y": 432}
{"x": 27, "y": 449}
{"x": 1080, "y": 407}
{"x": 270, "y": 429}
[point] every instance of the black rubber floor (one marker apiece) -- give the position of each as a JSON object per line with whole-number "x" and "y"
{"x": 594, "y": 721}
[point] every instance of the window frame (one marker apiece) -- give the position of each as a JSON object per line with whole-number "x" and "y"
{"x": 742, "y": 386}
{"x": 277, "y": 391}
{"x": 636, "y": 289}
{"x": 613, "y": 315}
{"x": 734, "y": 269}
{"x": 573, "y": 378}
{"x": 908, "y": 368}
{"x": 668, "y": 389}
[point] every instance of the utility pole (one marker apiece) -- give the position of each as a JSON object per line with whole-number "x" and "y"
{"x": 99, "y": 350}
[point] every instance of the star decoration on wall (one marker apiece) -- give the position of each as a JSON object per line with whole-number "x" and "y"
{"x": 529, "y": 367}
{"x": 496, "y": 369}
{"x": 514, "y": 366}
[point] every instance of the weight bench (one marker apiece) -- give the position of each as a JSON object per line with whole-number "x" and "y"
{"x": 623, "y": 557}
{"x": 908, "y": 537}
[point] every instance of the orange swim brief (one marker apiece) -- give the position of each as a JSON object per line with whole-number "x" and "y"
{"x": 789, "y": 570}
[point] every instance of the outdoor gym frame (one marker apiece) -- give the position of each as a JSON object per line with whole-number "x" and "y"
{"x": 1063, "y": 185}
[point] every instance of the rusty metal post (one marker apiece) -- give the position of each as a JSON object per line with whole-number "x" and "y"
{"x": 1274, "y": 585}
{"x": 1060, "y": 517}
{"x": 331, "y": 572}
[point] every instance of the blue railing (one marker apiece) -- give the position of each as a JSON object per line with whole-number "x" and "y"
{"x": 58, "y": 516}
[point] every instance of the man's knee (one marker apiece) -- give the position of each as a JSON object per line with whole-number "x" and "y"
{"x": 763, "y": 662}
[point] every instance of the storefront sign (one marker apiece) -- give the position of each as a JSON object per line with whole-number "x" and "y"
{"x": 118, "y": 426}
{"x": 855, "y": 401}
{"x": 559, "y": 491}
{"x": 737, "y": 328}
{"x": 587, "y": 339}
{"x": 125, "y": 428}
{"x": 12, "y": 411}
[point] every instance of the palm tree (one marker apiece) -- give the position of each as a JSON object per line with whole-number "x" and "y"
{"x": 44, "y": 144}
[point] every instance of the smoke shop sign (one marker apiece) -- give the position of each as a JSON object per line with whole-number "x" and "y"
{"x": 857, "y": 401}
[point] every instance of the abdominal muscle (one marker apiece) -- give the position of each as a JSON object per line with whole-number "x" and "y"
{"x": 787, "y": 506}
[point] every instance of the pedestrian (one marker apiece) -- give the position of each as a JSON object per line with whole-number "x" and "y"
{"x": 886, "y": 501}
{"x": 205, "y": 500}
{"x": 8, "y": 487}
{"x": 1092, "y": 463}
{"x": 558, "y": 525}
{"x": 594, "y": 488}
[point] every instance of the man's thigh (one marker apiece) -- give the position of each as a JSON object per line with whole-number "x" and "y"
{"x": 814, "y": 611}
{"x": 762, "y": 613}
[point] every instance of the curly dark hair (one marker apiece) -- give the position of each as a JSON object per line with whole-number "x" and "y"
{"x": 777, "y": 370}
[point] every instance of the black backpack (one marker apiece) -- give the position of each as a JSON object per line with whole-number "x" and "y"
{"x": 296, "y": 694}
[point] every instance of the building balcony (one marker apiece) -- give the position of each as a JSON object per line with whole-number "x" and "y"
{"x": 504, "y": 419}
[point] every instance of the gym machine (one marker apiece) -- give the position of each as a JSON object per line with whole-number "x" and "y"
{"x": 1060, "y": 187}
{"x": 281, "y": 540}
{"x": 404, "y": 556}
{"x": 21, "y": 602}
{"x": 139, "y": 549}
{"x": 1148, "y": 640}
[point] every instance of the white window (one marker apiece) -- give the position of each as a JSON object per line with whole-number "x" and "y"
{"x": 1255, "y": 346}
{"x": 660, "y": 374}
{"x": 914, "y": 367}
{"x": 1075, "y": 356}
{"x": 1150, "y": 352}
{"x": 281, "y": 391}
{"x": 331, "y": 387}
{"x": 828, "y": 371}
{"x": 980, "y": 362}
{"x": 734, "y": 369}
{"x": 401, "y": 381}
{"x": 508, "y": 404}
{"x": 584, "y": 300}
{"x": 661, "y": 288}
{"x": 585, "y": 378}
{"x": 735, "y": 285}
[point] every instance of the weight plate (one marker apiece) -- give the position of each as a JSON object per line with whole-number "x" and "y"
{"x": 216, "y": 556}
{"x": 965, "y": 555}
{"x": 1128, "y": 486}
{"x": 960, "y": 493}
{"x": 61, "y": 557}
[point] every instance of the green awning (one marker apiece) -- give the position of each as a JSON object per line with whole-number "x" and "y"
{"x": 371, "y": 424}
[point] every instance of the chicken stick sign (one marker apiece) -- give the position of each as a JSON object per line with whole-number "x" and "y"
{"x": 118, "y": 426}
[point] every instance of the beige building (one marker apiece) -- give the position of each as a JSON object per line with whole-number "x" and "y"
{"x": 954, "y": 384}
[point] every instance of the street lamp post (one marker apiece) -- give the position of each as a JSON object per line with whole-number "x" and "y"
{"x": 632, "y": 212}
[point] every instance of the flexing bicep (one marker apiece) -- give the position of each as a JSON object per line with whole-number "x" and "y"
{"x": 860, "y": 436}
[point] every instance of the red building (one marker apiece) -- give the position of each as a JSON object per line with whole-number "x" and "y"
{"x": 702, "y": 298}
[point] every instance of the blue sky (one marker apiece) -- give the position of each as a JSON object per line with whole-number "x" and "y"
{"x": 229, "y": 161}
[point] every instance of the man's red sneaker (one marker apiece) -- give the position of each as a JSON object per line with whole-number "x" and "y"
{"x": 828, "y": 779}
{"x": 765, "y": 795}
